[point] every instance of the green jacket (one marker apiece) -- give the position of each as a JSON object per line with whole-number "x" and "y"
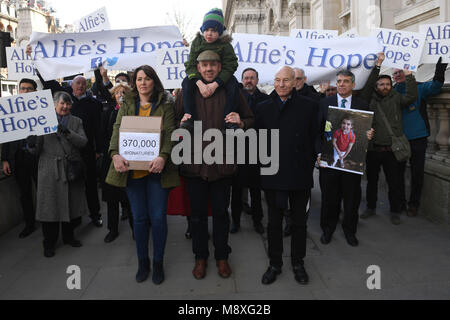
{"x": 392, "y": 106}
{"x": 222, "y": 47}
{"x": 164, "y": 108}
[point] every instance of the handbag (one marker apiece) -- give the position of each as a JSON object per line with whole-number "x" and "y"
{"x": 75, "y": 169}
{"x": 400, "y": 144}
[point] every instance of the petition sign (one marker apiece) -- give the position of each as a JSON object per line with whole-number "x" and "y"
{"x": 437, "y": 42}
{"x": 402, "y": 48}
{"x": 170, "y": 66}
{"x": 64, "y": 54}
{"x": 20, "y": 65}
{"x": 96, "y": 21}
{"x": 27, "y": 114}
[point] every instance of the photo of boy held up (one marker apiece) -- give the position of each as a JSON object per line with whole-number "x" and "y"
{"x": 343, "y": 141}
{"x": 346, "y": 133}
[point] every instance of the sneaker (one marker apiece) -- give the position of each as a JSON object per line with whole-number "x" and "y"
{"x": 395, "y": 218}
{"x": 368, "y": 213}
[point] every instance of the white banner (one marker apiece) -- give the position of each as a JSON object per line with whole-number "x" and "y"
{"x": 266, "y": 54}
{"x": 170, "y": 66}
{"x": 65, "y": 54}
{"x": 402, "y": 48}
{"x": 320, "y": 59}
{"x": 437, "y": 42}
{"x": 27, "y": 114}
{"x": 352, "y": 33}
{"x": 19, "y": 64}
{"x": 313, "y": 34}
{"x": 95, "y": 21}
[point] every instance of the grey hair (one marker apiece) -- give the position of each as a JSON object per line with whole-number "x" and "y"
{"x": 346, "y": 73}
{"x": 301, "y": 70}
{"x": 62, "y": 95}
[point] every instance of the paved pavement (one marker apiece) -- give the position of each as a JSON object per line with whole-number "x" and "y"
{"x": 414, "y": 259}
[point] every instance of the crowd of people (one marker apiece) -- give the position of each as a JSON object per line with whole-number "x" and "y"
{"x": 68, "y": 166}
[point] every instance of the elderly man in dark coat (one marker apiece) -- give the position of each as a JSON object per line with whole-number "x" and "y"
{"x": 294, "y": 117}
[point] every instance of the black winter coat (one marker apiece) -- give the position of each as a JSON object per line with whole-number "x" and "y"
{"x": 297, "y": 123}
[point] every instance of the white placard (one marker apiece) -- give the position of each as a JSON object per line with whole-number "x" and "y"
{"x": 312, "y": 34}
{"x": 27, "y": 114}
{"x": 135, "y": 146}
{"x": 437, "y": 42}
{"x": 170, "y": 66}
{"x": 95, "y": 21}
{"x": 64, "y": 54}
{"x": 20, "y": 65}
{"x": 402, "y": 48}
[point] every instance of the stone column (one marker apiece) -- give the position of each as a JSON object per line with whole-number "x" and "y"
{"x": 443, "y": 134}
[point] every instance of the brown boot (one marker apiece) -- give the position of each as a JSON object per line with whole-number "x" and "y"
{"x": 412, "y": 211}
{"x": 223, "y": 268}
{"x": 199, "y": 271}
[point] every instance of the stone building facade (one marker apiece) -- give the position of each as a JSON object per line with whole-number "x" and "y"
{"x": 278, "y": 17}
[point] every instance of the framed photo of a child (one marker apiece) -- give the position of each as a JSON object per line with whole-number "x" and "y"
{"x": 346, "y": 139}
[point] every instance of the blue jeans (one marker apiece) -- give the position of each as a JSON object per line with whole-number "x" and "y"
{"x": 148, "y": 202}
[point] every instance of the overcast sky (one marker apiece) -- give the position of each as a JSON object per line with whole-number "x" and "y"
{"x": 128, "y": 14}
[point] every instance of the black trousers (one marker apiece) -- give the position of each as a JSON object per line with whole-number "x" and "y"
{"x": 218, "y": 194}
{"x": 417, "y": 163}
{"x": 25, "y": 172}
{"x": 338, "y": 186}
{"x": 91, "y": 185}
{"x": 236, "y": 204}
{"x": 113, "y": 213}
{"x": 51, "y": 233}
{"x": 391, "y": 167}
{"x": 298, "y": 200}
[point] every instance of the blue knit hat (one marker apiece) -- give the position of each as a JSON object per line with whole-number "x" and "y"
{"x": 213, "y": 19}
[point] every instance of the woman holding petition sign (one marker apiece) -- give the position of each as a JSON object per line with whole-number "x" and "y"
{"x": 61, "y": 175}
{"x": 148, "y": 190}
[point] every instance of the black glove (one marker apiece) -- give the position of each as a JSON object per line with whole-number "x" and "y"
{"x": 439, "y": 74}
{"x": 62, "y": 129}
{"x": 31, "y": 141}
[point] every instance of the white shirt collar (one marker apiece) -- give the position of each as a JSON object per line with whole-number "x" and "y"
{"x": 348, "y": 103}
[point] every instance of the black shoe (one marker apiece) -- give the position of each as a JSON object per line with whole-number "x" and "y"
{"x": 325, "y": 238}
{"x": 270, "y": 275}
{"x": 158, "y": 273}
{"x": 73, "y": 243}
{"x": 351, "y": 240}
{"x": 259, "y": 228}
{"x": 143, "y": 270}
{"x": 111, "y": 236}
{"x": 234, "y": 228}
{"x": 48, "y": 253}
{"x": 26, "y": 232}
{"x": 97, "y": 222}
{"x": 188, "y": 125}
{"x": 300, "y": 274}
